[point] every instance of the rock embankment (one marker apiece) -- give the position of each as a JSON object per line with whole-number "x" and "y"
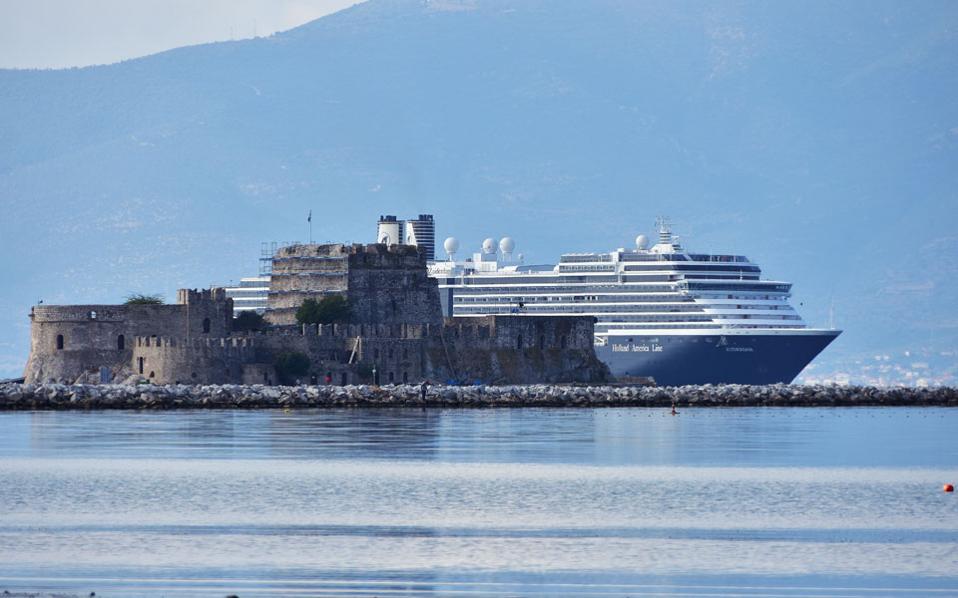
{"x": 15, "y": 397}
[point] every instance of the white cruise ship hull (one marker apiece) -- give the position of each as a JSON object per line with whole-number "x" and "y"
{"x": 713, "y": 356}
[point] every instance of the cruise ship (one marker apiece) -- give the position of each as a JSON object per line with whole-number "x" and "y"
{"x": 249, "y": 295}
{"x": 660, "y": 312}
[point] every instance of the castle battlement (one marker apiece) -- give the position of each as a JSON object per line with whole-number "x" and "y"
{"x": 196, "y": 296}
{"x": 396, "y": 331}
{"x": 95, "y": 313}
{"x": 239, "y": 342}
{"x": 349, "y": 331}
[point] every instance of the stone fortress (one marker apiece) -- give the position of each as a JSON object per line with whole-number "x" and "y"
{"x": 396, "y": 333}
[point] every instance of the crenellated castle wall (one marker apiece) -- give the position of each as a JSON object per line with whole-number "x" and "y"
{"x": 71, "y": 342}
{"x": 396, "y": 335}
{"x": 170, "y": 360}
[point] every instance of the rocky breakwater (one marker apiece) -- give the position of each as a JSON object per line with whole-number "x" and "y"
{"x": 19, "y": 397}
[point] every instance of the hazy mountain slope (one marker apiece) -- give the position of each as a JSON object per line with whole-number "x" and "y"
{"x": 820, "y": 139}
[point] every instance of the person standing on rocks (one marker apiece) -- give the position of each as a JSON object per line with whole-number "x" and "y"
{"x": 423, "y": 389}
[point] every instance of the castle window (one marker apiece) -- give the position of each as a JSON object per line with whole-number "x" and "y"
{"x": 92, "y": 315}
{"x": 390, "y": 377}
{"x": 120, "y": 343}
{"x": 375, "y": 353}
{"x": 542, "y": 342}
{"x": 519, "y": 342}
{"x": 206, "y": 325}
{"x": 59, "y": 342}
{"x": 140, "y": 361}
{"x": 342, "y": 379}
{"x": 405, "y": 352}
{"x": 152, "y": 375}
{"x": 390, "y": 352}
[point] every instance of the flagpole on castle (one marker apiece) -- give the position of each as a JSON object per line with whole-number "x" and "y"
{"x": 309, "y": 219}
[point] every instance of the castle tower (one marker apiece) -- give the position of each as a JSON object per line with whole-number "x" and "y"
{"x": 383, "y": 284}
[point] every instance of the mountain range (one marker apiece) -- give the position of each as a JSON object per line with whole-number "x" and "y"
{"x": 818, "y": 138}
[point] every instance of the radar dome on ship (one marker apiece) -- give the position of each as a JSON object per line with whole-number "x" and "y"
{"x": 641, "y": 242}
{"x": 507, "y": 245}
{"x": 451, "y": 245}
{"x": 489, "y": 245}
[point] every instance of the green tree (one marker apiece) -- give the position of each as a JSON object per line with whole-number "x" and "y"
{"x": 142, "y": 299}
{"x": 290, "y": 365}
{"x": 332, "y": 309}
{"x": 247, "y": 321}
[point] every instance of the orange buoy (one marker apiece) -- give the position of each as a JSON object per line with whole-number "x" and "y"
{"x": 949, "y": 488}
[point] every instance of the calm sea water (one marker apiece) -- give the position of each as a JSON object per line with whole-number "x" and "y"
{"x": 743, "y": 502}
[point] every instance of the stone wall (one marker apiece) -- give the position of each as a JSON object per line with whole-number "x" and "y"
{"x": 349, "y": 353}
{"x": 165, "y": 360}
{"x": 397, "y": 334}
{"x": 383, "y": 285}
{"x": 69, "y": 342}
{"x": 517, "y": 350}
{"x": 391, "y": 286}
{"x": 303, "y": 272}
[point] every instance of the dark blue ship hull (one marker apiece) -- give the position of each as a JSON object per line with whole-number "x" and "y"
{"x": 675, "y": 360}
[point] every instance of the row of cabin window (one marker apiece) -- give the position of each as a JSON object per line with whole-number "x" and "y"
{"x": 121, "y": 340}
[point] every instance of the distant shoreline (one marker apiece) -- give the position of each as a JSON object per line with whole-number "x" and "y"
{"x": 30, "y": 397}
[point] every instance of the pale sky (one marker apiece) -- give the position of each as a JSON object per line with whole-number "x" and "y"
{"x": 65, "y": 33}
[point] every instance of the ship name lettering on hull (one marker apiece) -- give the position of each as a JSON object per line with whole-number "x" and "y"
{"x": 636, "y": 348}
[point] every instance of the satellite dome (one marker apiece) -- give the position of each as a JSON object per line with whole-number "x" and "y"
{"x": 641, "y": 242}
{"x": 507, "y": 245}
{"x": 451, "y": 245}
{"x": 489, "y": 245}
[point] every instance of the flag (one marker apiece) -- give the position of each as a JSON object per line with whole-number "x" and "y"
{"x": 310, "y": 217}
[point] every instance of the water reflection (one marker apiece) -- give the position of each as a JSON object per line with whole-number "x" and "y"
{"x": 750, "y": 437}
{"x": 517, "y": 502}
